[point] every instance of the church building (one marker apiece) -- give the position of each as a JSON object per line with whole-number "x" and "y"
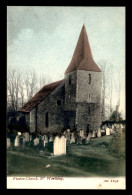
{"x": 72, "y": 103}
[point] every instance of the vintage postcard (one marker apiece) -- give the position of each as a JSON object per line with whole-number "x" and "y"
{"x": 66, "y": 123}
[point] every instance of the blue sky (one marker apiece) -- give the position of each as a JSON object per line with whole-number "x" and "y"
{"x": 44, "y": 38}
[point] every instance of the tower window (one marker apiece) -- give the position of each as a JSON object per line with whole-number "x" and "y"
{"x": 89, "y": 110}
{"x": 69, "y": 79}
{"x": 89, "y": 97}
{"x": 58, "y": 102}
{"x": 46, "y": 120}
{"x": 89, "y": 79}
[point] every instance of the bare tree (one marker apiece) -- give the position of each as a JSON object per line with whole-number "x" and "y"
{"x": 13, "y": 81}
{"x": 107, "y": 89}
{"x": 22, "y": 86}
{"x": 43, "y": 80}
{"x": 103, "y": 67}
{"x": 22, "y": 90}
{"x": 31, "y": 83}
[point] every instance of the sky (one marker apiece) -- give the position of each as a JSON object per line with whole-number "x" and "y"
{"x": 44, "y": 38}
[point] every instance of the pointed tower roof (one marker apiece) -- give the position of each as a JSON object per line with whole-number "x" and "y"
{"x": 82, "y": 58}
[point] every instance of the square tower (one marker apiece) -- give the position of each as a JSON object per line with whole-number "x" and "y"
{"x": 83, "y": 82}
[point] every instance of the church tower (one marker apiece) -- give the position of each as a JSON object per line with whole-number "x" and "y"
{"x": 83, "y": 82}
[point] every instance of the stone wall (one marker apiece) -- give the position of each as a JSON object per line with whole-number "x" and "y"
{"x": 84, "y": 88}
{"x": 70, "y": 89}
{"x": 74, "y": 110}
{"x": 32, "y": 120}
{"x": 85, "y": 117}
{"x": 54, "y": 111}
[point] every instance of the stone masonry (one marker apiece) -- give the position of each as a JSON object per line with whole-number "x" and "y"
{"x": 73, "y": 103}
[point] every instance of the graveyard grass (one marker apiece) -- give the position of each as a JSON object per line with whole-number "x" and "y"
{"x": 104, "y": 156}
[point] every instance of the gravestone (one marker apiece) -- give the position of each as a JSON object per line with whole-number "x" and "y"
{"x": 16, "y": 142}
{"x": 99, "y": 132}
{"x": 93, "y": 134}
{"x": 72, "y": 140}
{"x": 67, "y": 134}
{"x": 24, "y": 141}
{"x": 30, "y": 138}
{"x": 8, "y": 142}
{"x": 59, "y": 146}
{"x": 51, "y": 139}
{"x": 36, "y": 141}
{"x": 107, "y": 131}
{"x": 81, "y": 133}
{"x": 26, "y": 135}
{"x": 117, "y": 126}
{"x": 114, "y": 126}
{"x": 112, "y": 131}
{"x": 87, "y": 140}
{"x": 79, "y": 140}
{"x": 121, "y": 126}
{"x": 44, "y": 143}
{"x": 46, "y": 139}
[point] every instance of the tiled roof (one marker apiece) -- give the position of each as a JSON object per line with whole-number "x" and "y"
{"x": 39, "y": 96}
{"x": 82, "y": 58}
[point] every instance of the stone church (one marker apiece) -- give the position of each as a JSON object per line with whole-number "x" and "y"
{"x": 72, "y": 103}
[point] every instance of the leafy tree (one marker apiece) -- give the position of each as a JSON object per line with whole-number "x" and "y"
{"x": 114, "y": 115}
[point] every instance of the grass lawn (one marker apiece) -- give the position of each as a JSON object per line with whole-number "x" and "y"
{"x": 103, "y": 156}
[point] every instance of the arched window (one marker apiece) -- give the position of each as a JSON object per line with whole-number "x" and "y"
{"x": 46, "y": 120}
{"x": 69, "y": 79}
{"x": 89, "y": 97}
{"x": 89, "y": 110}
{"x": 89, "y": 79}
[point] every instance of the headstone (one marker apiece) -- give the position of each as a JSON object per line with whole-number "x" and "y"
{"x": 87, "y": 140}
{"x": 8, "y": 142}
{"x": 79, "y": 140}
{"x": 59, "y": 146}
{"x": 26, "y": 135}
{"x": 44, "y": 143}
{"x": 46, "y": 138}
{"x": 24, "y": 140}
{"x": 16, "y": 142}
{"x": 107, "y": 131}
{"x": 81, "y": 133}
{"x": 36, "y": 141}
{"x": 99, "y": 132}
{"x": 30, "y": 138}
{"x": 113, "y": 127}
{"x": 72, "y": 140}
{"x": 117, "y": 126}
{"x": 93, "y": 134}
{"x": 51, "y": 139}
{"x": 112, "y": 132}
{"x": 68, "y": 135}
{"x": 121, "y": 126}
